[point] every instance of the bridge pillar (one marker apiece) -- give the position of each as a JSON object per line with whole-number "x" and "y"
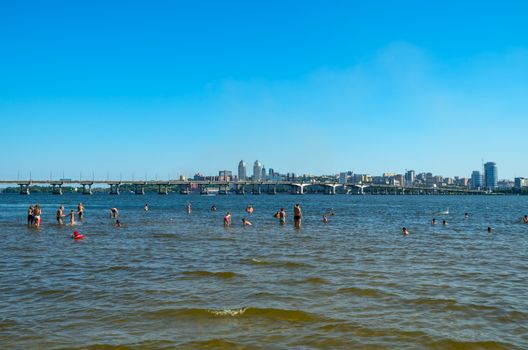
{"x": 241, "y": 189}
{"x": 87, "y": 191}
{"x": 163, "y": 189}
{"x": 223, "y": 189}
{"x": 139, "y": 189}
{"x": 184, "y": 189}
{"x": 114, "y": 189}
{"x": 204, "y": 189}
{"x": 330, "y": 190}
{"x": 272, "y": 189}
{"x": 297, "y": 189}
{"x": 256, "y": 190}
{"x": 24, "y": 189}
{"x": 56, "y": 189}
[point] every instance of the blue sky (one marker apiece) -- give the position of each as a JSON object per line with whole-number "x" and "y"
{"x": 164, "y": 88}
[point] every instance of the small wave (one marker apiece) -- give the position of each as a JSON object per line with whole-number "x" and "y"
{"x": 272, "y": 314}
{"x": 312, "y": 280}
{"x": 363, "y": 292}
{"x": 451, "y": 344}
{"x": 52, "y": 292}
{"x": 453, "y": 305}
{"x": 220, "y": 274}
{"x": 279, "y": 263}
{"x": 229, "y": 312}
{"x": 216, "y": 344}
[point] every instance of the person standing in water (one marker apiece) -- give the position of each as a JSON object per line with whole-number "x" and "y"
{"x": 60, "y": 214}
{"x": 525, "y": 219}
{"x": 189, "y": 208}
{"x": 146, "y": 208}
{"x": 30, "y": 216}
{"x": 405, "y": 232}
{"x": 297, "y": 215}
{"x": 37, "y": 212}
{"x": 282, "y": 216}
{"x": 114, "y": 213}
{"x": 227, "y": 219}
{"x": 72, "y": 217}
{"x": 80, "y": 211}
{"x": 325, "y": 219}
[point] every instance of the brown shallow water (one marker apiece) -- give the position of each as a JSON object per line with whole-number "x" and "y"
{"x": 172, "y": 280}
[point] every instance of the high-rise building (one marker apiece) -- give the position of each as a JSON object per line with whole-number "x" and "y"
{"x": 257, "y": 171}
{"x": 520, "y": 183}
{"x": 490, "y": 175}
{"x": 409, "y": 177}
{"x": 476, "y": 179}
{"x": 264, "y": 175}
{"x": 225, "y": 175}
{"x": 242, "y": 176}
{"x": 342, "y": 177}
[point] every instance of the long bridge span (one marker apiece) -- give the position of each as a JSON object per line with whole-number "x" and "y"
{"x": 239, "y": 187}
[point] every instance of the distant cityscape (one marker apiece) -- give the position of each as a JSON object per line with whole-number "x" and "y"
{"x": 485, "y": 179}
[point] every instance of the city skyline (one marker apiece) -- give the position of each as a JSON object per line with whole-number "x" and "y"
{"x": 173, "y": 88}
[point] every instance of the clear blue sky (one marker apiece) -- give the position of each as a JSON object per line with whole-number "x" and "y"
{"x": 176, "y": 87}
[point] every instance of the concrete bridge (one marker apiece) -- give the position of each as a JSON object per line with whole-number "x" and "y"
{"x": 239, "y": 187}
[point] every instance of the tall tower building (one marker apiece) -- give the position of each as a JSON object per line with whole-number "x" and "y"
{"x": 476, "y": 179}
{"x": 257, "y": 171}
{"x": 242, "y": 175}
{"x": 409, "y": 177}
{"x": 490, "y": 175}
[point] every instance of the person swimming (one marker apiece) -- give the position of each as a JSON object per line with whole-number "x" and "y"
{"x": 433, "y": 222}
{"x": 146, "y": 207}
{"x": 213, "y": 208}
{"x": 249, "y": 209}
{"x": 227, "y": 219}
{"x": 325, "y": 219}
{"x": 246, "y": 222}
{"x": 444, "y": 222}
{"x": 405, "y": 231}
{"x": 466, "y": 215}
{"x": 76, "y": 235}
{"x": 276, "y": 215}
{"x": 489, "y": 229}
{"x": 525, "y": 219}
{"x": 331, "y": 212}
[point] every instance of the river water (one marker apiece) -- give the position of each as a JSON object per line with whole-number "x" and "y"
{"x": 168, "y": 279}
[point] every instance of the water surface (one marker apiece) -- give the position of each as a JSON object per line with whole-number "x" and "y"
{"x": 172, "y": 280}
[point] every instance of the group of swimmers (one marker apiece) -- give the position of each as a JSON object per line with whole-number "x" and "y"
{"x": 35, "y": 212}
{"x": 34, "y": 215}
{"x": 405, "y": 231}
{"x": 71, "y": 215}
